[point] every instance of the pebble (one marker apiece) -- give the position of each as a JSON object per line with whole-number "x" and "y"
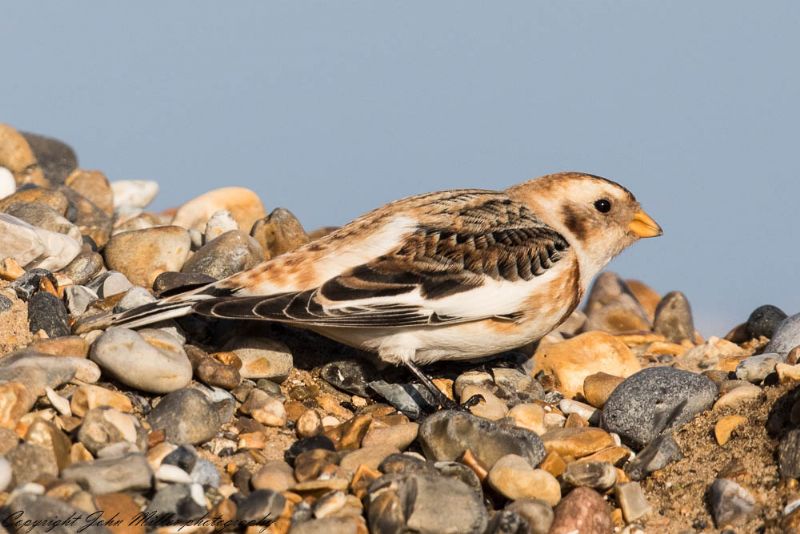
{"x": 397, "y": 436}
{"x": 141, "y": 255}
{"x": 30, "y": 463}
{"x": 764, "y": 321}
{"x": 279, "y": 232}
{"x": 756, "y": 368}
{"x": 658, "y": 454}
{"x": 582, "y": 510}
{"x": 309, "y": 424}
{"x": 739, "y": 396}
{"x": 414, "y": 503}
{"x": 596, "y": 475}
{"x": 446, "y": 435}
{"x": 160, "y": 364}
{"x": 413, "y": 400}
{"x": 134, "y": 297}
{"x": 84, "y": 267}
{"x": 180, "y": 502}
{"x": 35, "y": 247}
{"x": 228, "y": 254}
{"x": 673, "y": 318}
{"x": 38, "y": 371}
{"x": 654, "y": 400}
{"x": 275, "y": 475}
{"x": 262, "y": 357}
{"x": 264, "y": 408}
{"x": 731, "y": 504}
{"x": 789, "y": 454}
{"x": 243, "y": 204}
{"x": 537, "y": 513}
{"x": 713, "y": 353}
{"x": 571, "y": 361}
{"x": 515, "y": 387}
{"x": 90, "y": 220}
{"x": 586, "y": 412}
{"x": 220, "y": 370}
{"x": 7, "y": 183}
{"x": 219, "y": 223}
{"x": 18, "y": 157}
{"x": 44, "y": 217}
{"x": 110, "y": 283}
{"x": 129, "y": 472}
{"x": 370, "y": 456}
{"x": 120, "y": 507}
{"x": 786, "y": 337}
{"x": 576, "y": 442}
{"x": 169, "y": 282}
{"x": 40, "y": 509}
{"x": 133, "y": 194}
{"x": 528, "y": 416}
{"x": 490, "y": 407}
{"x": 102, "y": 427}
{"x": 514, "y": 478}
{"x": 186, "y": 416}
{"x": 725, "y": 427}
{"x": 172, "y": 474}
{"x": 56, "y": 159}
{"x": 47, "y": 312}
{"x": 6, "y": 473}
{"x": 612, "y": 307}
{"x": 598, "y": 387}
{"x": 632, "y": 501}
{"x": 94, "y": 186}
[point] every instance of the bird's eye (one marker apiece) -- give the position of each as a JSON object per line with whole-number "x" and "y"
{"x": 603, "y": 205}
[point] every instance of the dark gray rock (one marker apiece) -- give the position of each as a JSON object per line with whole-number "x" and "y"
{"x": 350, "y": 375}
{"x": 413, "y": 400}
{"x": 730, "y": 503}
{"x": 447, "y": 434}
{"x": 187, "y": 416}
{"x": 228, "y": 254}
{"x": 673, "y": 318}
{"x": 56, "y": 158}
{"x": 764, "y": 321}
{"x": 789, "y": 455}
{"x": 184, "y": 457}
{"x": 661, "y": 452}
{"x": 41, "y": 511}
{"x": 261, "y": 505}
{"x": 177, "y": 503}
{"x": 508, "y": 522}
{"x": 109, "y": 475}
{"x": 29, "y": 283}
{"x": 415, "y": 503}
{"x": 786, "y": 337}
{"x": 654, "y": 400}
{"x": 47, "y": 312}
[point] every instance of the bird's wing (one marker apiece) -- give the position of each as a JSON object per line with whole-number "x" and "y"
{"x": 468, "y": 254}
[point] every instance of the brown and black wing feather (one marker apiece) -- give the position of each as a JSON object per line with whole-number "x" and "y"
{"x": 463, "y": 239}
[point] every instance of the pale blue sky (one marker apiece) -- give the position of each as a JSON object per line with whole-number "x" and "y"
{"x": 332, "y": 108}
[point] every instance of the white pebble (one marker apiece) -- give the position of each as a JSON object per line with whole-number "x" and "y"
{"x": 131, "y": 194}
{"x": 219, "y": 223}
{"x": 173, "y": 473}
{"x": 7, "y": 183}
{"x": 5, "y": 473}
{"x": 59, "y": 403}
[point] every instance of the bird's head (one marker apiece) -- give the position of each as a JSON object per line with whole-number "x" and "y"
{"x": 598, "y": 217}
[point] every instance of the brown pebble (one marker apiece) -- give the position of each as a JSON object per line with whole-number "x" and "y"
{"x": 725, "y": 427}
{"x": 598, "y": 387}
{"x": 554, "y": 464}
{"x": 582, "y": 510}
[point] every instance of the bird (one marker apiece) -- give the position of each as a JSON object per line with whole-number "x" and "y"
{"x": 452, "y": 275}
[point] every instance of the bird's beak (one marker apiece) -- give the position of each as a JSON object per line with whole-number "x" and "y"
{"x": 644, "y": 226}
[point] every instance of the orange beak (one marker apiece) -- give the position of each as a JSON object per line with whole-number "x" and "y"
{"x": 644, "y": 226}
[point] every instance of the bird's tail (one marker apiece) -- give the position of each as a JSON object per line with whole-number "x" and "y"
{"x": 172, "y": 307}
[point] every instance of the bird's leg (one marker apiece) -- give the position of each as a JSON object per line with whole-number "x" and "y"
{"x": 438, "y": 396}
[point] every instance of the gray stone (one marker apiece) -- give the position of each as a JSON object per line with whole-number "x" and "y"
{"x": 508, "y": 522}
{"x": 178, "y": 502}
{"x": 756, "y": 368}
{"x": 187, "y": 416}
{"x": 516, "y": 387}
{"x": 5, "y": 303}
{"x": 170, "y": 281}
{"x": 536, "y": 512}
{"x": 658, "y": 454}
{"x": 226, "y": 255}
{"x": 262, "y": 357}
{"x": 351, "y": 375}
{"x": 130, "y": 472}
{"x": 596, "y": 475}
{"x": 44, "y": 511}
{"x": 45, "y": 217}
{"x": 261, "y": 505}
{"x": 415, "y": 503}
{"x": 6, "y": 473}
{"x": 30, "y": 463}
{"x": 78, "y": 299}
{"x": 673, "y": 318}
{"x": 447, "y": 434}
{"x": 786, "y": 337}
{"x": 413, "y": 400}
{"x": 654, "y": 400}
{"x": 31, "y": 246}
{"x": 764, "y": 321}
{"x": 149, "y": 360}
{"x": 38, "y": 371}
{"x": 47, "y": 312}
{"x": 134, "y": 297}
{"x": 730, "y": 503}
{"x": 110, "y": 283}
{"x": 104, "y": 426}
{"x": 84, "y": 267}
{"x": 632, "y": 501}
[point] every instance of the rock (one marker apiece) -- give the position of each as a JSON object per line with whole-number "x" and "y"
{"x": 7, "y": 183}
{"x": 632, "y": 501}
{"x": 94, "y": 186}
{"x": 179, "y": 502}
{"x": 141, "y": 255}
{"x": 528, "y": 416}
{"x": 309, "y": 424}
{"x": 576, "y": 442}
{"x": 279, "y": 232}
{"x": 413, "y": 400}
{"x": 170, "y": 282}
{"x": 351, "y": 375}
{"x": 397, "y": 436}
{"x": 446, "y": 435}
{"x": 30, "y": 463}
{"x": 598, "y": 387}
{"x": 15, "y": 401}
{"x": 611, "y": 307}
{"x": 571, "y": 361}
{"x": 110, "y": 283}
{"x": 160, "y": 364}
{"x": 596, "y": 475}
{"x": 764, "y": 321}
{"x": 44, "y": 217}
{"x": 38, "y": 195}
{"x": 40, "y": 510}
{"x": 739, "y": 396}
{"x": 186, "y": 416}
{"x": 56, "y": 158}
{"x": 47, "y": 312}
{"x": 414, "y": 503}
{"x": 129, "y": 472}
{"x": 243, "y": 204}
{"x": 17, "y": 156}
{"x": 261, "y": 357}
{"x": 661, "y": 452}
{"x": 646, "y": 296}
{"x": 133, "y": 194}
{"x": 220, "y": 370}
{"x": 91, "y": 220}
{"x": 515, "y": 387}
{"x": 514, "y": 478}
{"x": 731, "y": 504}
{"x": 38, "y": 371}
{"x": 756, "y": 368}
{"x": 725, "y": 427}
{"x": 713, "y": 353}
{"x": 654, "y": 400}
{"x": 587, "y": 413}
{"x": 789, "y": 454}
{"x": 786, "y": 337}
{"x": 228, "y": 254}
{"x": 538, "y": 514}
{"x": 582, "y": 510}
{"x": 370, "y": 456}
{"x": 46, "y": 435}
{"x": 102, "y": 427}
{"x": 276, "y": 476}
{"x": 264, "y": 408}
{"x": 34, "y": 247}
{"x": 84, "y": 267}
{"x": 122, "y": 508}
{"x": 6, "y": 473}
{"x": 219, "y": 223}
{"x": 262, "y": 506}
{"x": 489, "y": 407}
{"x": 673, "y": 318}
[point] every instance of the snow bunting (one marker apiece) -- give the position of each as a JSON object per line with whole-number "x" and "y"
{"x": 453, "y": 275}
